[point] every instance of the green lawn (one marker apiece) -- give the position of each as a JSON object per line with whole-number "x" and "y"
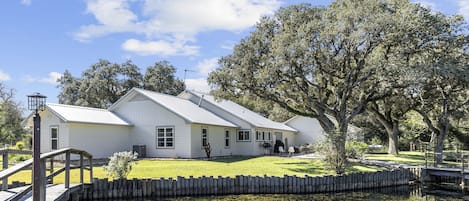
{"x": 232, "y": 166}
{"x": 416, "y": 158}
{"x": 405, "y": 157}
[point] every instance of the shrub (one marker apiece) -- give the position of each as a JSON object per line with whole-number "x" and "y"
{"x": 331, "y": 156}
{"x": 376, "y": 141}
{"x": 307, "y": 148}
{"x": 20, "y": 157}
{"x": 355, "y": 149}
{"x": 120, "y": 164}
{"x": 19, "y": 145}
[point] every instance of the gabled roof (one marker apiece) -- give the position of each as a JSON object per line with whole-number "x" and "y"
{"x": 77, "y": 114}
{"x": 187, "y": 110}
{"x": 243, "y": 113}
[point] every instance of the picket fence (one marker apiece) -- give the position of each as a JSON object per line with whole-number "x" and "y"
{"x": 204, "y": 186}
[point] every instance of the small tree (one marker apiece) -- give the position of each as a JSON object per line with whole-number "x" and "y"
{"x": 120, "y": 164}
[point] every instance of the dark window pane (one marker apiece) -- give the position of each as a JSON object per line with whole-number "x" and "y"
{"x": 54, "y": 144}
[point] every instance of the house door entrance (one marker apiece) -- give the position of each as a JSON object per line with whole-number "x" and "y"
{"x": 278, "y": 143}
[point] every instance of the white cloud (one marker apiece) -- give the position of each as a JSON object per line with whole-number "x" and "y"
{"x": 187, "y": 17}
{"x": 50, "y": 79}
{"x": 228, "y": 45}
{"x": 112, "y": 16}
{"x": 4, "y": 76}
{"x": 160, "y": 47}
{"x": 464, "y": 9}
{"x": 26, "y": 2}
{"x": 198, "y": 84}
{"x": 169, "y": 22}
{"x": 207, "y": 65}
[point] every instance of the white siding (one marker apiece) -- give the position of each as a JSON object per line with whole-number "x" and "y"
{"x": 99, "y": 140}
{"x": 49, "y": 120}
{"x": 309, "y": 130}
{"x": 146, "y": 115}
{"x": 216, "y": 138}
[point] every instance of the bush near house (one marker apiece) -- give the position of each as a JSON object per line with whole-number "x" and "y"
{"x": 120, "y": 164}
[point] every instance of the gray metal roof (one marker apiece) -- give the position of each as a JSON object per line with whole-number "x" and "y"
{"x": 243, "y": 113}
{"x": 183, "y": 108}
{"x": 77, "y": 114}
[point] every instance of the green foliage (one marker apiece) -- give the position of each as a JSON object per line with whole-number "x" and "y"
{"x": 160, "y": 78}
{"x": 15, "y": 158}
{"x": 104, "y": 83}
{"x": 332, "y": 159}
{"x": 11, "y": 129}
{"x": 376, "y": 141}
{"x": 19, "y": 145}
{"x": 355, "y": 149}
{"x": 309, "y": 148}
{"x": 120, "y": 164}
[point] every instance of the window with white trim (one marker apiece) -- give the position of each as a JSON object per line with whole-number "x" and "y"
{"x": 54, "y": 137}
{"x": 227, "y": 139}
{"x": 258, "y": 136}
{"x": 244, "y": 135}
{"x": 164, "y": 137}
{"x": 204, "y": 137}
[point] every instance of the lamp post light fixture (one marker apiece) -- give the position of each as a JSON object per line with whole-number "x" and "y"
{"x": 36, "y": 103}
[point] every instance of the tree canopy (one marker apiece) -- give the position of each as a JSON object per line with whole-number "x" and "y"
{"x": 11, "y": 130}
{"x": 104, "y": 83}
{"x": 331, "y": 62}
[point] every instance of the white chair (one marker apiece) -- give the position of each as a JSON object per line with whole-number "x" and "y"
{"x": 281, "y": 150}
{"x": 291, "y": 151}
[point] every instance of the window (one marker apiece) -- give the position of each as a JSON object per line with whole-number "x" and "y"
{"x": 258, "y": 135}
{"x": 244, "y": 135}
{"x": 54, "y": 136}
{"x": 204, "y": 137}
{"x": 263, "y": 136}
{"x": 227, "y": 139}
{"x": 164, "y": 137}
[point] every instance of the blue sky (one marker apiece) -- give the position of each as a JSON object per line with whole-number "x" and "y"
{"x": 39, "y": 40}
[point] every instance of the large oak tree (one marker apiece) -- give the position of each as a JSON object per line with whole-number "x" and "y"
{"x": 103, "y": 83}
{"x": 326, "y": 62}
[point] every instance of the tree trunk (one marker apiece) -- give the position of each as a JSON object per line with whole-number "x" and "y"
{"x": 393, "y": 135}
{"x": 440, "y": 145}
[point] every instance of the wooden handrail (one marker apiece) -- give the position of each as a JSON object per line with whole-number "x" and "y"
{"x": 15, "y": 151}
{"x": 4, "y": 174}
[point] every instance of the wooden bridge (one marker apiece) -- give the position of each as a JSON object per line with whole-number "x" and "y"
{"x": 456, "y": 172}
{"x": 52, "y": 191}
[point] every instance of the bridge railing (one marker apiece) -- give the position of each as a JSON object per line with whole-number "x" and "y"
{"x": 457, "y": 158}
{"x": 6, "y": 173}
{"x": 5, "y": 153}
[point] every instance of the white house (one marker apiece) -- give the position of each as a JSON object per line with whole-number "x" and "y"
{"x": 168, "y": 126}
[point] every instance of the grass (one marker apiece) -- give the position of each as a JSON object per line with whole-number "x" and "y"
{"x": 232, "y": 166}
{"x": 405, "y": 157}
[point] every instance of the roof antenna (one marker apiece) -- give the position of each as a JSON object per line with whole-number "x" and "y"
{"x": 185, "y": 71}
{"x": 200, "y": 100}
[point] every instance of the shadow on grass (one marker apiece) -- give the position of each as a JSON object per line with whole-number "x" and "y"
{"x": 232, "y": 159}
{"x": 312, "y": 171}
{"x": 293, "y": 163}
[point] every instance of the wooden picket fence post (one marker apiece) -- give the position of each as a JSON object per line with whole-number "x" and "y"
{"x": 240, "y": 184}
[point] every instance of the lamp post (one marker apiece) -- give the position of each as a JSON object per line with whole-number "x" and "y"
{"x": 36, "y": 103}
